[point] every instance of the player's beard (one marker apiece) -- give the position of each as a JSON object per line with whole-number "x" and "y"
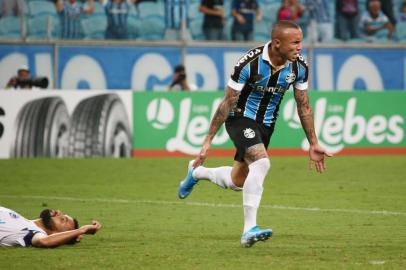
{"x": 46, "y": 217}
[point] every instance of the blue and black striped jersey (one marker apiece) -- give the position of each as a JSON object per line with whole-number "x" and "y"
{"x": 117, "y": 14}
{"x": 261, "y": 90}
{"x": 70, "y": 21}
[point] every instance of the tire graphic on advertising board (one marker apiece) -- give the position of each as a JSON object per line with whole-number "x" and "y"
{"x": 100, "y": 128}
{"x": 41, "y": 129}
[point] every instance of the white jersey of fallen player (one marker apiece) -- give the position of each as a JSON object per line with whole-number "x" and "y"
{"x": 15, "y": 230}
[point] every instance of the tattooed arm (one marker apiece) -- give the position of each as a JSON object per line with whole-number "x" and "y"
{"x": 220, "y": 116}
{"x": 305, "y": 112}
{"x": 304, "y": 109}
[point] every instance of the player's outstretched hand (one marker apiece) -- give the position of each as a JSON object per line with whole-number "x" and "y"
{"x": 79, "y": 238}
{"x": 91, "y": 228}
{"x": 199, "y": 160}
{"x": 317, "y": 155}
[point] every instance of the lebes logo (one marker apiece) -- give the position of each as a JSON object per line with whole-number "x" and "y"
{"x": 340, "y": 125}
{"x": 191, "y": 122}
{"x": 160, "y": 113}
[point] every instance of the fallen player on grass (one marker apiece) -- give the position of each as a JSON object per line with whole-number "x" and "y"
{"x": 53, "y": 228}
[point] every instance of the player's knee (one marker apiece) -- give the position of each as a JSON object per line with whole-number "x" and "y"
{"x": 263, "y": 164}
{"x": 239, "y": 179}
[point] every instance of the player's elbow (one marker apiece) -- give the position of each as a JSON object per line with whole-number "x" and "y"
{"x": 229, "y": 102}
{"x": 304, "y": 111}
{"x": 42, "y": 243}
{"x": 47, "y": 243}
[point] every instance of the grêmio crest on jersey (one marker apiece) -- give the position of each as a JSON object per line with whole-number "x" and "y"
{"x": 290, "y": 78}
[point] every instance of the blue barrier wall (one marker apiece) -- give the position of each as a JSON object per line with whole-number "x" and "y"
{"x": 150, "y": 68}
{"x": 359, "y": 69}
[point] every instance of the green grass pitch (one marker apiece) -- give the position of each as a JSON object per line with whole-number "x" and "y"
{"x": 351, "y": 217}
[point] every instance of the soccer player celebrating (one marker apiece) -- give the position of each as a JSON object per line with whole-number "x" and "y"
{"x": 249, "y": 110}
{"x": 52, "y": 229}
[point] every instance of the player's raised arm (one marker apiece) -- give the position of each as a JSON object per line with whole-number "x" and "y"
{"x": 62, "y": 238}
{"x": 304, "y": 109}
{"x": 220, "y": 116}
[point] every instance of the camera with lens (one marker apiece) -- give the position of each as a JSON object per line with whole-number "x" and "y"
{"x": 41, "y": 82}
{"x": 181, "y": 76}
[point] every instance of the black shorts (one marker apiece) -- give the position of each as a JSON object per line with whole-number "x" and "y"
{"x": 245, "y": 132}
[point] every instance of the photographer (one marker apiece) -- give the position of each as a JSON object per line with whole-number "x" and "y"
{"x": 179, "y": 81}
{"x": 23, "y": 80}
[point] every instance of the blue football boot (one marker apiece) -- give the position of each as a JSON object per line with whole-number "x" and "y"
{"x": 254, "y": 235}
{"x": 186, "y": 186}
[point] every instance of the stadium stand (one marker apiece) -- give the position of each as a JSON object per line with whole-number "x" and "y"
{"x": 401, "y": 31}
{"x": 227, "y": 8}
{"x": 41, "y": 8}
{"x": 98, "y": 9}
{"x": 269, "y": 11}
{"x": 362, "y": 3}
{"x": 151, "y": 28}
{"x": 10, "y": 27}
{"x": 150, "y": 16}
{"x": 227, "y": 28}
{"x": 94, "y": 27}
{"x": 196, "y": 28}
{"x": 193, "y": 11}
{"x": 332, "y": 8}
{"x": 151, "y": 9}
{"x": 262, "y": 31}
{"x": 133, "y": 12}
{"x": 133, "y": 27}
{"x": 43, "y": 27}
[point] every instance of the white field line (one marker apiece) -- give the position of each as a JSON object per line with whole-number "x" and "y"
{"x": 377, "y": 262}
{"x": 205, "y": 204}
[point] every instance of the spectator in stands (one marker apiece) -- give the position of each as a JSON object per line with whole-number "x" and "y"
{"x": 321, "y": 23}
{"x": 179, "y": 81}
{"x": 175, "y": 16}
{"x": 117, "y": 14}
{"x": 214, "y": 20}
{"x": 347, "y": 19}
{"x": 245, "y": 12}
{"x": 13, "y": 8}
{"x": 375, "y": 21}
{"x": 387, "y": 9}
{"x": 290, "y": 10}
{"x": 402, "y": 15}
{"x": 70, "y": 12}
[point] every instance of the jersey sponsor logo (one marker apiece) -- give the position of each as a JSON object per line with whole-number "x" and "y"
{"x": 290, "y": 78}
{"x": 13, "y": 215}
{"x": 247, "y": 56}
{"x": 273, "y": 89}
{"x": 2, "y": 222}
{"x": 249, "y": 133}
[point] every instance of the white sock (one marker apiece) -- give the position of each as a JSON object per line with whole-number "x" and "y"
{"x": 252, "y": 191}
{"x": 220, "y": 176}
